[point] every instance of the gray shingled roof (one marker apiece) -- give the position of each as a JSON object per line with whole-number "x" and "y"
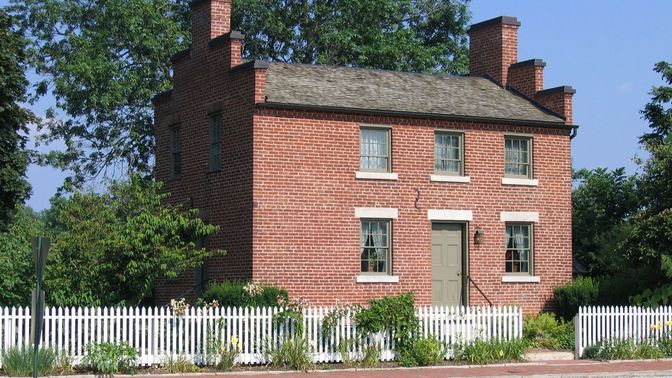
{"x": 399, "y": 92}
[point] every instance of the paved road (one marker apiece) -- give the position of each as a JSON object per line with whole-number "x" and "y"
{"x": 661, "y": 368}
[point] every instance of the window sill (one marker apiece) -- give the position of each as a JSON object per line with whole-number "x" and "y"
{"x": 448, "y": 178}
{"x": 519, "y": 181}
{"x": 377, "y": 279}
{"x": 521, "y": 279}
{"x": 376, "y": 175}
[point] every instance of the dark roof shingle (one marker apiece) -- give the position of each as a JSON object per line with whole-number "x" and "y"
{"x": 398, "y": 92}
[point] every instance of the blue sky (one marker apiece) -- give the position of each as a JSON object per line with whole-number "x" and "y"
{"x": 605, "y": 49}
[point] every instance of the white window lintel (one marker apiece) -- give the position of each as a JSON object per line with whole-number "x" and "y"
{"x": 450, "y": 215}
{"x": 519, "y": 216}
{"x": 376, "y": 212}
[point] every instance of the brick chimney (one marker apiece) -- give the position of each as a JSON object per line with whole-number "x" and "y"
{"x": 209, "y": 19}
{"x": 493, "y": 47}
{"x": 493, "y": 51}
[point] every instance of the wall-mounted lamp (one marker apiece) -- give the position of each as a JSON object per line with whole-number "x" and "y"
{"x": 478, "y": 235}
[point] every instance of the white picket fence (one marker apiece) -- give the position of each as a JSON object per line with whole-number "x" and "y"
{"x": 593, "y": 324}
{"x": 158, "y": 334}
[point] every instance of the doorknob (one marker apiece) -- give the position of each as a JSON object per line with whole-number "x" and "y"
{"x": 458, "y": 274}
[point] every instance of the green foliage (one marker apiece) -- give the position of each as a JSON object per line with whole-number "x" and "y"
{"x": 425, "y": 35}
{"x": 483, "y": 352}
{"x": 602, "y": 202}
{"x": 649, "y": 245}
{"x": 221, "y": 353}
{"x": 544, "y": 331}
{"x": 14, "y": 188}
{"x": 391, "y": 314}
{"x": 582, "y": 291}
{"x": 179, "y": 364}
{"x": 427, "y": 352}
{"x": 104, "y": 60}
{"x": 345, "y": 346}
{"x": 293, "y": 353}
{"x": 623, "y": 350}
{"x": 127, "y": 236}
{"x": 233, "y": 294}
{"x": 371, "y": 357}
{"x": 16, "y": 267}
{"x": 18, "y": 361}
{"x": 109, "y": 359}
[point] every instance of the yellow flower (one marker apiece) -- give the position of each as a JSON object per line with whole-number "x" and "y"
{"x": 234, "y": 340}
{"x": 240, "y": 346}
{"x": 501, "y": 353}
{"x": 654, "y": 326}
{"x": 668, "y": 323}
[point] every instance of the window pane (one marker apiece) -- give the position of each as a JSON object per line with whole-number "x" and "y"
{"x": 374, "y": 149}
{"x": 374, "y": 245}
{"x": 518, "y": 248}
{"x": 517, "y": 157}
{"x": 447, "y": 153}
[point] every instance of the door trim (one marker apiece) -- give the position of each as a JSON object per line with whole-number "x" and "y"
{"x": 465, "y": 257}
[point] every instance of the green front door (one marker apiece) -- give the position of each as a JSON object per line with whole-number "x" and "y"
{"x": 446, "y": 264}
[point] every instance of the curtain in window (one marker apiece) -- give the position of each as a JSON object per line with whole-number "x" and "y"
{"x": 374, "y": 150}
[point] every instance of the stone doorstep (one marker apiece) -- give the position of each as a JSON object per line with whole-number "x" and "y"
{"x": 549, "y": 355}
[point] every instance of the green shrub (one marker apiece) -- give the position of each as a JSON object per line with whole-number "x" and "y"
{"x": 544, "y": 331}
{"x": 582, "y": 291}
{"x": 665, "y": 344}
{"x": 482, "y": 352}
{"x": 18, "y": 362}
{"x": 371, "y": 357}
{"x": 344, "y": 348}
{"x": 293, "y": 353}
{"x": 395, "y": 314}
{"x": 428, "y": 352}
{"x": 180, "y": 364}
{"x": 109, "y": 359}
{"x": 233, "y": 294}
{"x": 617, "y": 349}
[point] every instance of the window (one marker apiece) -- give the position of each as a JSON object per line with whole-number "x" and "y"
{"x": 448, "y": 154}
{"x": 215, "y": 144}
{"x": 519, "y": 248}
{"x": 375, "y": 246}
{"x": 518, "y": 157}
{"x": 175, "y": 155}
{"x": 374, "y": 151}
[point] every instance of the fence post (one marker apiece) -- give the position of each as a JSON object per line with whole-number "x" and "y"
{"x": 578, "y": 335}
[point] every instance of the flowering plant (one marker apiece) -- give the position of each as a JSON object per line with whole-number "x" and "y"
{"x": 179, "y": 306}
{"x": 253, "y": 289}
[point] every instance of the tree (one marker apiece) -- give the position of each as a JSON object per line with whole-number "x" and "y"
{"x": 650, "y": 243}
{"x": 17, "y": 274}
{"x": 104, "y": 60}
{"x": 110, "y": 249}
{"x": 602, "y": 203}
{"x": 14, "y": 158}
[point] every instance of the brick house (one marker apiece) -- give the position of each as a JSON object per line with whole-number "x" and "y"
{"x": 346, "y": 183}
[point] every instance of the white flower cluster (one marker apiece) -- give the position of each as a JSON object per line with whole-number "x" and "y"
{"x": 179, "y": 306}
{"x": 253, "y": 289}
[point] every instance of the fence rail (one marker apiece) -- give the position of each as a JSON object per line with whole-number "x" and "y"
{"x": 159, "y": 334}
{"x": 594, "y": 324}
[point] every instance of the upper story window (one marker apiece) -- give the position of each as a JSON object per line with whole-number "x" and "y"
{"x": 518, "y": 157}
{"x": 448, "y": 154}
{"x": 215, "y": 142}
{"x": 518, "y": 259}
{"x": 374, "y": 149}
{"x": 375, "y": 246}
{"x": 175, "y": 152}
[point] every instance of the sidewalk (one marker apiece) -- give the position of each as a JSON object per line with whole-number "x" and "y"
{"x": 581, "y": 368}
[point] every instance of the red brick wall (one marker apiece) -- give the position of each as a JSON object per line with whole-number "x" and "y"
{"x": 306, "y": 236}
{"x": 560, "y": 103}
{"x": 202, "y": 84}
